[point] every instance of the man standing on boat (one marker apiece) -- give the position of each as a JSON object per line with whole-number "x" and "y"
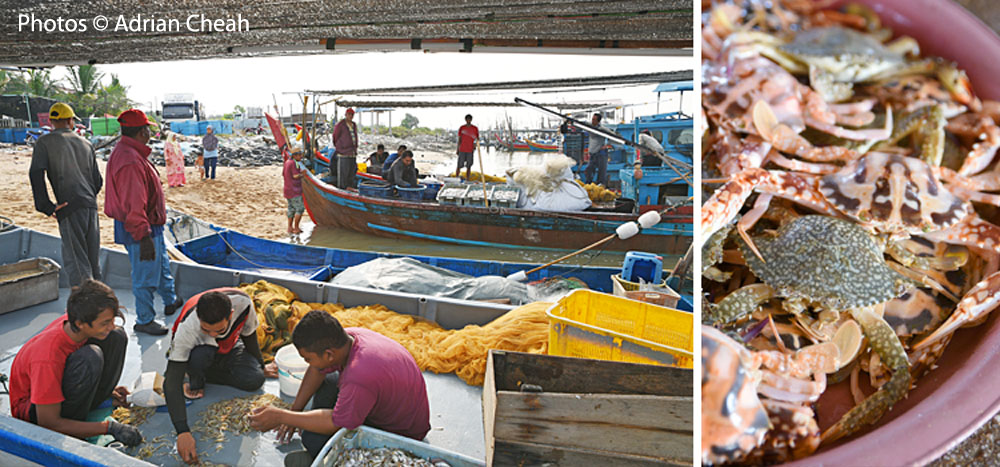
{"x": 72, "y": 367}
{"x": 598, "y": 147}
{"x": 468, "y": 134}
{"x": 345, "y": 141}
{"x": 134, "y": 199}
{"x": 213, "y": 340}
{"x": 71, "y": 166}
{"x": 355, "y": 376}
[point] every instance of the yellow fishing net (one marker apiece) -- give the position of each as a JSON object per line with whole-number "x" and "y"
{"x": 478, "y": 177}
{"x": 462, "y": 351}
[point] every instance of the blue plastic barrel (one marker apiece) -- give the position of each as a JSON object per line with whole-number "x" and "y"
{"x": 411, "y": 194}
{"x": 375, "y": 189}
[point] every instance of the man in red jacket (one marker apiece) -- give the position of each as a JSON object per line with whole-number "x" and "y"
{"x": 345, "y": 140}
{"x": 134, "y": 199}
{"x": 467, "y": 136}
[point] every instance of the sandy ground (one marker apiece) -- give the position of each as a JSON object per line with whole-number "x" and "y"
{"x": 247, "y": 199}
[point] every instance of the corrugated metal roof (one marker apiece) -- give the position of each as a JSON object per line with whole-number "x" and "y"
{"x": 282, "y": 27}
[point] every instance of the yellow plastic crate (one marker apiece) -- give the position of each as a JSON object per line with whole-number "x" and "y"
{"x": 596, "y": 325}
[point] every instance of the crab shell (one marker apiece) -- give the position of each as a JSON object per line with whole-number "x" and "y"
{"x": 825, "y": 260}
{"x": 893, "y": 194}
{"x": 733, "y": 420}
{"x": 848, "y": 55}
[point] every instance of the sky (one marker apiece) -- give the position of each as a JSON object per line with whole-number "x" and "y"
{"x": 222, "y": 84}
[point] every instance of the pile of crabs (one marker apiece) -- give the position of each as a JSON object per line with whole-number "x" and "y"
{"x": 841, "y": 238}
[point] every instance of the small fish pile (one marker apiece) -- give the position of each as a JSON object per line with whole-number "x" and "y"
{"x": 151, "y": 448}
{"x": 230, "y": 415}
{"x": 361, "y": 457}
{"x": 134, "y": 416}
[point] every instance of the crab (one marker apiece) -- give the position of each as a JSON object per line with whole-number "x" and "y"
{"x": 737, "y": 424}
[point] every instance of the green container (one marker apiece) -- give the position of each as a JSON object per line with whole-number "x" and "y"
{"x": 104, "y": 126}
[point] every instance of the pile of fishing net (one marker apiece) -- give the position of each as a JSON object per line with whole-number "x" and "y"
{"x": 462, "y": 351}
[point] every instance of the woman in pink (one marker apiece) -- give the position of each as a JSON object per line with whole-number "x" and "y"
{"x": 175, "y": 161}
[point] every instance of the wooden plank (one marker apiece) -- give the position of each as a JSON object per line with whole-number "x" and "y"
{"x": 566, "y": 421}
{"x": 579, "y": 375}
{"x": 668, "y": 413}
{"x": 528, "y": 454}
{"x": 489, "y": 407}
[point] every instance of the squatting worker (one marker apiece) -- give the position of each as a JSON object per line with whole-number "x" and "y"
{"x": 403, "y": 172}
{"x": 134, "y": 199}
{"x": 355, "y": 376}
{"x": 72, "y": 366}
{"x": 68, "y": 160}
{"x": 392, "y": 158}
{"x": 468, "y": 134}
{"x": 377, "y": 158}
{"x": 345, "y": 141}
{"x": 214, "y": 340}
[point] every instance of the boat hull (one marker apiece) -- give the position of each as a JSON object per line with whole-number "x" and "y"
{"x": 487, "y": 227}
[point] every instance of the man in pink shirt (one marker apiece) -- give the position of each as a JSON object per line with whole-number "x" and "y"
{"x": 133, "y": 197}
{"x": 358, "y": 377}
{"x": 293, "y": 192}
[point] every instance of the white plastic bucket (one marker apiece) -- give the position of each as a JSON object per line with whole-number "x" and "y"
{"x": 291, "y": 368}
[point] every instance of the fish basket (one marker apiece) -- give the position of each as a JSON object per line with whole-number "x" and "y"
{"x": 28, "y": 283}
{"x": 474, "y": 197}
{"x": 372, "y": 438}
{"x": 432, "y": 190}
{"x": 375, "y": 189}
{"x": 505, "y": 196}
{"x": 452, "y": 193}
{"x": 411, "y": 194}
{"x": 588, "y": 324}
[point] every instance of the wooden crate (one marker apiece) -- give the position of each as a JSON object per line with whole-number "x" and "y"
{"x": 589, "y": 412}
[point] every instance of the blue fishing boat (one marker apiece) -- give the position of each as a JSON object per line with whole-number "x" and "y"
{"x": 229, "y": 249}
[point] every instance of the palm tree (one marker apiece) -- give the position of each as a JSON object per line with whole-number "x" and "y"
{"x": 85, "y": 79}
{"x": 113, "y": 98}
{"x": 39, "y": 83}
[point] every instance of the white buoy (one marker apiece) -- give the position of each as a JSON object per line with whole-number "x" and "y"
{"x": 627, "y": 230}
{"x": 649, "y": 219}
{"x": 518, "y": 276}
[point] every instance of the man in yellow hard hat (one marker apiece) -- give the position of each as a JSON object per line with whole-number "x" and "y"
{"x": 68, "y": 160}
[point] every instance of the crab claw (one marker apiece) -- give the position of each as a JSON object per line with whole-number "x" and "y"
{"x": 981, "y": 300}
{"x": 727, "y": 201}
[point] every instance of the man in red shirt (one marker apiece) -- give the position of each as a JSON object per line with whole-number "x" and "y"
{"x": 355, "y": 376}
{"x": 134, "y": 199}
{"x": 468, "y": 134}
{"x": 72, "y": 366}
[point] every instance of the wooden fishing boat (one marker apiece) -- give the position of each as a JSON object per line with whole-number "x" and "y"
{"x": 541, "y": 147}
{"x": 494, "y": 227}
{"x": 513, "y": 146}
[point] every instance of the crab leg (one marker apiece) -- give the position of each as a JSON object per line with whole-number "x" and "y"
{"x": 786, "y": 139}
{"x": 740, "y": 303}
{"x": 750, "y": 218}
{"x": 885, "y": 343}
{"x": 971, "y": 231}
{"x": 801, "y": 166}
{"x": 982, "y": 299}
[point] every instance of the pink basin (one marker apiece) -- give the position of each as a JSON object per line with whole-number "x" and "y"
{"x": 954, "y": 400}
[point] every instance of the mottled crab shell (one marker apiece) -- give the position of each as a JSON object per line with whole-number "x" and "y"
{"x": 846, "y": 53}
{"x": 734, "y": 421}
{"x": 893, "y": 193}
{"x": 825, "y": 260}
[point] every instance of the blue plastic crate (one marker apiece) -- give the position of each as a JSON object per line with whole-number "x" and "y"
{"x": 642, "y": 265}
{"x": 6, "y": 135}
{"x": 19, "y": 135}
{"x": 411, "y": 194}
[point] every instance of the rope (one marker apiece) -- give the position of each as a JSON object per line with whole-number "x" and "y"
{"x": 6, "y": 224}
{"x": 234, "y": 250}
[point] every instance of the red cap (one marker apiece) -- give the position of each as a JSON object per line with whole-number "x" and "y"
{"x": 133, "y": 117}
{"x": 349, "y": 111}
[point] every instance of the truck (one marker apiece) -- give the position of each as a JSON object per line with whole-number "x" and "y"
{"x": 180, "y": 107}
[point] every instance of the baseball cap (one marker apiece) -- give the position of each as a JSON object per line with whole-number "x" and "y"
{"x": 349, "y": 111}
{"x": 133, "y": 117}
{"x": 61, "y": 111}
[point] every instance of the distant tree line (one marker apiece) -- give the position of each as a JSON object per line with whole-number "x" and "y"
{"x": 84, "y": 89}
